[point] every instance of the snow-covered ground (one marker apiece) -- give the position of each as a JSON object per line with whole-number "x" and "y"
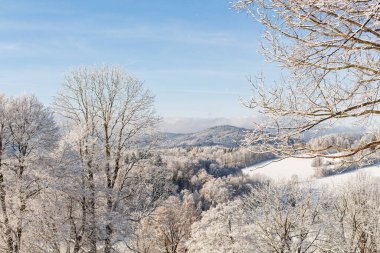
{"x": 287, "y": 168}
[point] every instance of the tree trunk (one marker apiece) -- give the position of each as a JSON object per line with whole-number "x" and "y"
{"x": 22, "y": 207}
{"x": 8, "y": 236}
{"x": 109, "y": 231}
{"x": 92, "y": 215}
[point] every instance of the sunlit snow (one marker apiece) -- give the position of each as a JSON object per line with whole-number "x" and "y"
{"x": 301, "y": 168}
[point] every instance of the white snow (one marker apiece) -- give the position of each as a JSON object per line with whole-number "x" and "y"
{"x": 283, "y": 169}
{"x": 287, "y": 168}
{"x": 373, "y": 170}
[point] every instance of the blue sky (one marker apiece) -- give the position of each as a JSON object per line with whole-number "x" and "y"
{"x": 194, "y": 55}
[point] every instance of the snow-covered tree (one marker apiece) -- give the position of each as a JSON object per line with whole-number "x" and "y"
{"x": 4, "y": 138}
{"x": 28, "y": 134}
{"x": 112, "y": 114}
{"x": 286, "y": 217}
{"x": 169, "y": 227}
{"x": 330, "y": 50}
{"x": 222, "y": 229}
{"x": 353, "y": 218}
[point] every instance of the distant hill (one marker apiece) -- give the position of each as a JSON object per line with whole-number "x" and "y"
{"x": 227, "y": 136}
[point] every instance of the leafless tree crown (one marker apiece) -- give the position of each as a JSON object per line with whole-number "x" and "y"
{"x": 330, "y": 51}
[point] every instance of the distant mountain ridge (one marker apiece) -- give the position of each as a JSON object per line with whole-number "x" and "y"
{"x": 225, "y": 135}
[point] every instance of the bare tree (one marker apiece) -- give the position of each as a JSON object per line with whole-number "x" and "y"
{"x": 224, "y": 228}
{"x": 4, "y": 138}
{"x": 113, "y": 113}
{"x": 168, "y": 228}
{"x": 287, "y": 217}
{"x": 330, "y": 51}
{"x": 63, "y": 207}
{"x": 28, "y": 134}
{"x": 354, "y": 222}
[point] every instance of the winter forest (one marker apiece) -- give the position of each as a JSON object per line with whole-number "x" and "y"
{"x": 93, "y": 172}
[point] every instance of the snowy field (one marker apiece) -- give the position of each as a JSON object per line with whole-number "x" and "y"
{"x": 301, "y": 168}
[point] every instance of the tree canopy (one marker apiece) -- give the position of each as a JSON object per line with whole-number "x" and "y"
{"x": 330, "y": 52}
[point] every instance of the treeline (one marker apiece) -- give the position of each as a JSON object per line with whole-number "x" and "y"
{"x": 294, "y": 217}
{"x": 346, "y": 144}
{"x": 79, "y": 185}
{"x": 84, "y": 184}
